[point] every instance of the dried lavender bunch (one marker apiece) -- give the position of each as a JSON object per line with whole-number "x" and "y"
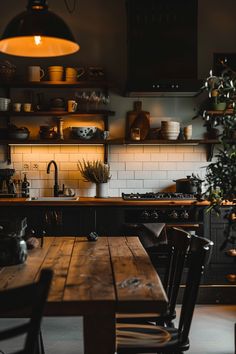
{"x": 94, "y": 171}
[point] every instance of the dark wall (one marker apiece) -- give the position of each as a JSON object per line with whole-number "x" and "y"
{"x": 100, "y": 28}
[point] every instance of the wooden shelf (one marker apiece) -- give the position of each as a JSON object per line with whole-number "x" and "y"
{"x": 220, "y": 113}
{"x": 58, "y": 113}
{"x": 59, "y": 84}
{"x": 161, "y": 142}
{"x": 54, "y": 141}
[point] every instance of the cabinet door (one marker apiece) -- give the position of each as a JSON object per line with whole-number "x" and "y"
{"x": 162, "y": 41}
{"x": 110, "y": 221}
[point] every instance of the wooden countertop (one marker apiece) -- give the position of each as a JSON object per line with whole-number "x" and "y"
{"x": 87, "y": 201}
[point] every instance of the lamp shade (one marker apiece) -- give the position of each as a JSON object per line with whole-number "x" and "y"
{"x": 38, "y": 32}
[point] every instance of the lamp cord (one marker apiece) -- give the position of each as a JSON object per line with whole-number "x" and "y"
{"x": 72, "y": 8}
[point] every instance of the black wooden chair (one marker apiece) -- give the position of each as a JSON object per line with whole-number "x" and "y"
{"x": 177, "y": 250}
{"x": 26, "y": 301}
{"x": 144, "y": 338}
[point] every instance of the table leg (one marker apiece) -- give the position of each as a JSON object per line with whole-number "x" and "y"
{"x": 99, "y": 334}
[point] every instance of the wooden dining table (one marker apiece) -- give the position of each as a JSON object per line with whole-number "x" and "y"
{"x": 94, "y": 280}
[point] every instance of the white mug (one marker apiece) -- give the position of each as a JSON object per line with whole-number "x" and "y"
{"x": 16, "y": 107}
{"x": 27, "y": 107}
{"x": 188, "y": 132}
{"x": 71, "y": 106}
{"x": 35, "y": 73}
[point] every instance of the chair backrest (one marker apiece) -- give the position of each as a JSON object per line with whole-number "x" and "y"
{"x": 199, "y": 256}
{"x": 26, "y": 301}
{"x": 178, "y": 245}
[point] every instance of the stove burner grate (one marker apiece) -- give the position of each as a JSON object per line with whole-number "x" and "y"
{"x": 158, "y": 196}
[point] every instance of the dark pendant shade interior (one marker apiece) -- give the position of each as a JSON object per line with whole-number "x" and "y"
{"x": 38, "y": 33}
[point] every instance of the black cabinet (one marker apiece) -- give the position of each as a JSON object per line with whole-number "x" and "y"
{"x": 162, "y": 45}
{"x": 222, "y": 264}
{"x": 53, "y": 220}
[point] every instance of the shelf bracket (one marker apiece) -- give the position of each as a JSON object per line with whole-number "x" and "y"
{"x": 106, "y": 153}
{"x": 210, "y": 151}
{"x": 8, "y": 154}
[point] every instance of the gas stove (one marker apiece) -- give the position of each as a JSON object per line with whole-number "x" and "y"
{"x": 158, "y": 196}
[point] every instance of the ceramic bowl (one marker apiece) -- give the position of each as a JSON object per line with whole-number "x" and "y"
{"x": 19, "y": 133}
{"x": 84, "y": 132}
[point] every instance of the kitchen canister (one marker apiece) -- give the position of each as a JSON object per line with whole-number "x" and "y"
{"x": 55, "y": 73}
{"x": 4, "y": 104}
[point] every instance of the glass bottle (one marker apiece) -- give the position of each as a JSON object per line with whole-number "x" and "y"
{"x": 25, "y": 187}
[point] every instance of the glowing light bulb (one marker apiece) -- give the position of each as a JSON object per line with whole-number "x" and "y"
{"x": 37, "y": 40}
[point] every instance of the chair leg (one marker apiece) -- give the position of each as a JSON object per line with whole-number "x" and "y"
{"x": 235, "y": 338}
{"x": 40, "y": 346}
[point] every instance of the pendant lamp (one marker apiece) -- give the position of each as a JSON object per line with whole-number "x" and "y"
{"x": 37, "y": 32}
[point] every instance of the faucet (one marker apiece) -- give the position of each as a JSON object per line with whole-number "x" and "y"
{"x": 56, "y": 185}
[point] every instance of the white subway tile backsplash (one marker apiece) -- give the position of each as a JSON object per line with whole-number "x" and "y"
{"x": 117, "y": 166}
{"x": 114, "y": 174}
{"x": 45, "y": 157}
{"x": 17, "y": 157}
{"x": 125, "y": 175}
{"x": 168, "y": 166}
{"x": 135, "y": 149}
{"x": 167, "y": 186}
{"x": 22, "y": 149}
{"x": 184, "y": 148}
{"x": 159, "y": 175}
{"x": 114, "y": 192}
{"x": 33, "y": 175}
{"x": 133, "y": 168}
{"x": 172, "y": 175}
{"x": 151, "y": 148}
{"x": 150, "y": 166}
{"x": 159, "y": 156}
{"x": 118, "y": 149}
{"x": 126, "y": 157}
{"x": 167, "y": 148}
{"x": 42, "y": 183}
{"x": 55, "y": 149}
{"x": 150, "y": 183}
{"x": 142, "y": 174}
{"x": 61, "y": 157}
{"x": 175, "y": 156}
{"x": 114, "y": 157}
{"x": 130, "y": 166}
{"x": 134, "y": 183}
{"x": 117, "y": 183}
{"x": 66, "y": 149}
{"x": 68, "y": 166}
{"x": 142, "y": 157}
{"x": 196, "y": 156}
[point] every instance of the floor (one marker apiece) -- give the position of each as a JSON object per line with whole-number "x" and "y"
{"x": 212, "y": 332}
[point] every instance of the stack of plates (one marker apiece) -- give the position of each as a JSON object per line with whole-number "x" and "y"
{"x": 170, "y": 130}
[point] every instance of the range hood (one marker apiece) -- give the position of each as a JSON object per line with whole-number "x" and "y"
{"x": 165, "y": 88}
{"x": 162, "y": 48}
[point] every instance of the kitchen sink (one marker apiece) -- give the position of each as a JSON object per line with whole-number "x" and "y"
{"x": 51, "y": 199}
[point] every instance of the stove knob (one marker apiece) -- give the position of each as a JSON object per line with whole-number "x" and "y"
{"x": 184, "y": 215}
{"x": 154, "y": 215}
{"x": 145, "y": 215}
{"x": 174, "y": 215}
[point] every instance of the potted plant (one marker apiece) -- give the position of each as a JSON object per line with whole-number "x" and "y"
{"x": 96, "y": 172}
{"x": 221, "y": 88}
{"x": 221, "y": 180}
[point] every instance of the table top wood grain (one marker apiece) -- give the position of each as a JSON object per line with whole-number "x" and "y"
{"x": 94, "y": 280}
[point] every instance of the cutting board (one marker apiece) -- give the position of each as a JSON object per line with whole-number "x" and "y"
{"x": 138, "y": 119}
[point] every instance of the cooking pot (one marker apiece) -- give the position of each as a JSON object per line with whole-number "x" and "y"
{"x": 188, "y": 185}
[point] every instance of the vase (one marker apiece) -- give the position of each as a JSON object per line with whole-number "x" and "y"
{"x": 220, "y": 106}
{"x": 101, "y": 190}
